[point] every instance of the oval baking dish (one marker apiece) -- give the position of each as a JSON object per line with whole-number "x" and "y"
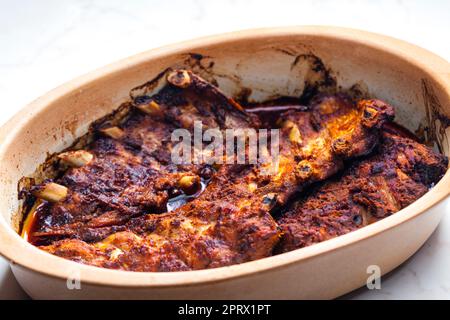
{"x": 262, "y": 64}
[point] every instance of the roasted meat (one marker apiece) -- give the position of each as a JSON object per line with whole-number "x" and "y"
{"x": 399, "y": 172}
{"x": 124, "y": 204}
{"x": 129, "y": 172}
{"x": 315, "y": 143}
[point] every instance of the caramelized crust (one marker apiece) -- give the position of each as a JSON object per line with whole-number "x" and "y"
{"x": 131, "y": 172}
{"x": 126, "y": 178}
{"x": 118, "y": 209}
{"x": 399, "y": 172}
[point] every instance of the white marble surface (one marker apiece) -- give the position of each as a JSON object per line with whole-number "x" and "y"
{"x": 47, "y": 42}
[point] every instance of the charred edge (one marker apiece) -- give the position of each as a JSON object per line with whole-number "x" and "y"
{"x": 149, "y": 85}
{"x": 197, "y": 63}
{"x": 117, "y": 117}
{"x": 52, "y": 168}
{"x": 27, "y": 199}
{"x": 193, "y": 61}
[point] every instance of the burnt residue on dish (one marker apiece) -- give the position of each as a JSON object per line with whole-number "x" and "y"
{"x": 320, "y": 80}
{"x": 318, "y": 77}
{"x": 433, "y": 132}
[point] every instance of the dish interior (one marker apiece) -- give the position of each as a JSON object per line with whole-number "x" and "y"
{"x": 258, "y": 72}
{"x": 131, "y": 195}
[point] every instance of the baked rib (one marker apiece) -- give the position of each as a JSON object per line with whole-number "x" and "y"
{"x": 230, "y": 222}
{"x": 130, "y": 172}
{"x": 399, "y": 172}
{"x": 114, "y": 206}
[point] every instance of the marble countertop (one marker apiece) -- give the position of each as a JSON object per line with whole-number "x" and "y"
{"x": 45, "y": 43}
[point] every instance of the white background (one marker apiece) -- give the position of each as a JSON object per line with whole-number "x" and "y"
{"x": 44, "y": 43}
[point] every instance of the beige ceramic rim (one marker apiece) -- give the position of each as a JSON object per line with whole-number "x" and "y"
{"x": 18, "y": 251}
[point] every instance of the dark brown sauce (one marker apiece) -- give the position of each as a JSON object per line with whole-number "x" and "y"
{"x": 269, "y": 111}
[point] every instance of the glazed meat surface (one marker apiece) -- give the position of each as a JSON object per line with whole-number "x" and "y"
{"x": 131, "y": 172}
{"x": 128, "y": 206}
{"x": 399, "y": 172}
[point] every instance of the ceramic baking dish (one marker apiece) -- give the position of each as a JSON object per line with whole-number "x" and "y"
{"x": 261, "y": 64}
